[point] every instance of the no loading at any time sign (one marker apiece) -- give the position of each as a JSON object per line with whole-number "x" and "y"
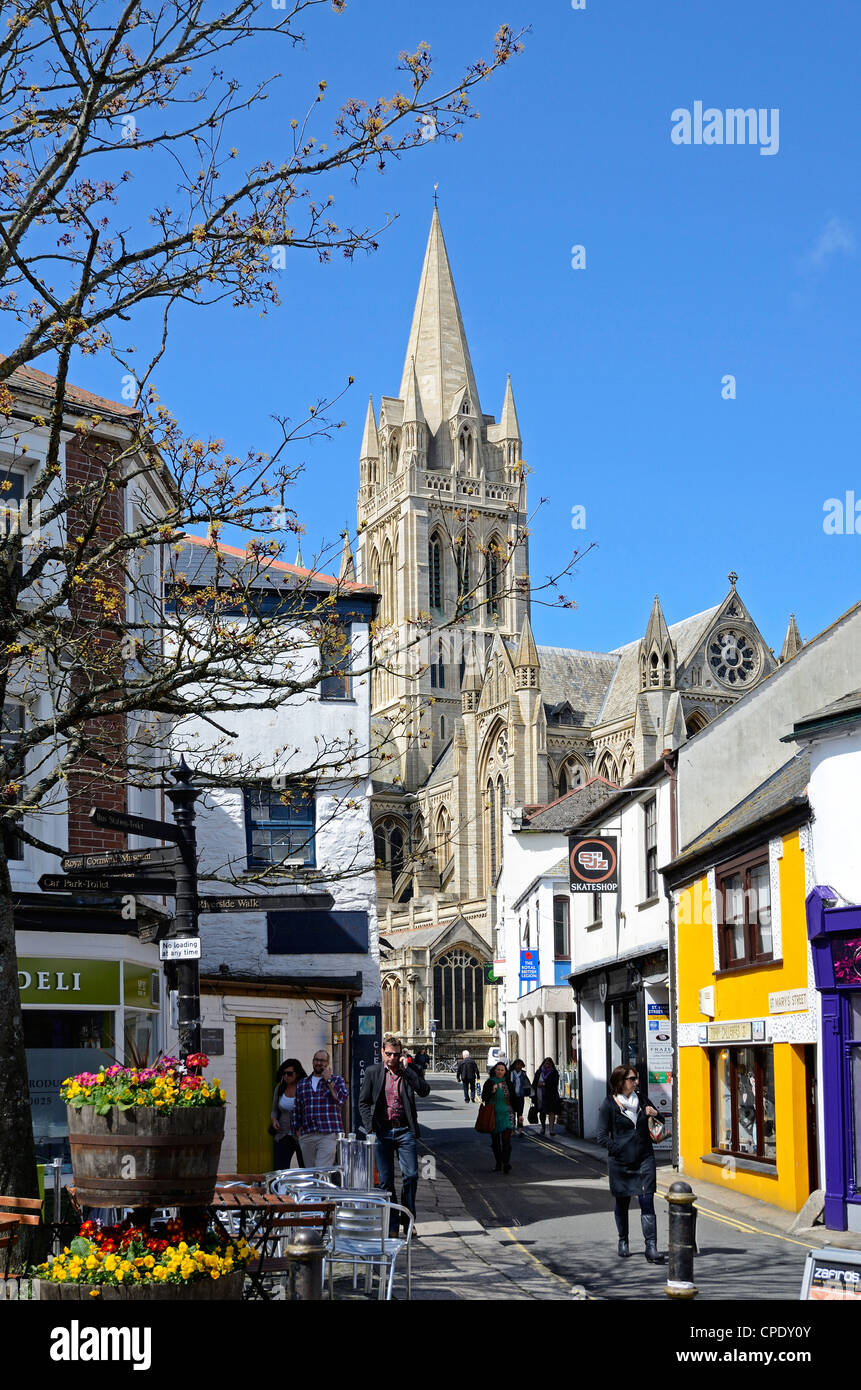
{"x": 593, "y": 864}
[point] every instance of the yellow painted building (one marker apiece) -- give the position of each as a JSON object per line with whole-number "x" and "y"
{"x": 747, "y": 1020}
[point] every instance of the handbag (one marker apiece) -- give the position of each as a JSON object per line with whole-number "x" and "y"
{"x": 272, "y": 1131}
{"x": 532, "y": 1116}
{"x": 657, "y": 1129}
{"x": 484, "y": 1120}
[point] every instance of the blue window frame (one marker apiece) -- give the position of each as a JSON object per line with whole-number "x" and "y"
{"x": 335, "y": 658}
{"x": 279, "y": 826}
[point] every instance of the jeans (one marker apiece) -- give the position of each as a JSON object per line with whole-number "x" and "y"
{"x": 400, "y": 1141}
{"x": 647, "y": 1210}
{"x": 469, "y": 1090}
{"x": 286, "y": 1145}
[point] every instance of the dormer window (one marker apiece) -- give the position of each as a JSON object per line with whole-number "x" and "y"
{"x": 466, "y": 408}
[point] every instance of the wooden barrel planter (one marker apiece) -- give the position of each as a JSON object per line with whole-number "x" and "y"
{"x": 228, "y": 1287}
{"x": 141, "y": 1158}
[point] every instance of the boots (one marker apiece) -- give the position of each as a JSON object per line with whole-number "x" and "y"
{"x": 622, "y": 1228}
{"x": 650, "y": 1232}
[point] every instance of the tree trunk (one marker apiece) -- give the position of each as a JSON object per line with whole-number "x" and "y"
{"x": 18, "y": 1177}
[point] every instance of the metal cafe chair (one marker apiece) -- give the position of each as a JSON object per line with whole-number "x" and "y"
{"x": 359, "y": 1235}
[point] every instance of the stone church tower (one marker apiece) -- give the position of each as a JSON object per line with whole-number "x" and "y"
{"x": 472, "y": 720}
{"x": 441, "y": 509}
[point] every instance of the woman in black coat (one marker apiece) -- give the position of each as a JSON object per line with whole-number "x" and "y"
{"x": 623, "y": 1129}
{"x": 545, "y": 1091}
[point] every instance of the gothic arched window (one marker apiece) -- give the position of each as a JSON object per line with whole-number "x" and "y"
{"x": 490, "y": 831}
{"x": 388, "y": 583}
{"x": 443, "y": 837}
{"x": 463, "y": 575}
{"x": 466, "y": 451}
{"x": 458, "y": 991}
{"x": 392, "y": 1006}
{"x": 435, "y": 572}
{"x": 570, "y": 776}
{"x": 394, "y": 452}
{"x": 389, "y": 841}
{"x": 493, "y": 572}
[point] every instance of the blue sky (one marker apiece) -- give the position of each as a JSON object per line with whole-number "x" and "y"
{"x": 701, "y": 261}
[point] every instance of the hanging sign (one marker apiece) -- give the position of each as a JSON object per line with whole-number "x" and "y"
{"x": 529, "y": 966}
{"x": 593, "y": 864}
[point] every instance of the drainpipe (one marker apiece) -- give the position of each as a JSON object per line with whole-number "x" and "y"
{"x": 670, "y": 760}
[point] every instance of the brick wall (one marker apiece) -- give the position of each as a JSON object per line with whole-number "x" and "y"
{"x": 87, "y": 462}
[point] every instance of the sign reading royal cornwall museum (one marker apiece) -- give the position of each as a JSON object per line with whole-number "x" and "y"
{"x": 593, "y": 864}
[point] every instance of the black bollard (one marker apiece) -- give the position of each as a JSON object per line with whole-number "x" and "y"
{"x": 680, "y": 1275}
{"x": 305, "y": 1253}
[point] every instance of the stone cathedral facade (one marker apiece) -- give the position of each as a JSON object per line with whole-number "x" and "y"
{"x": 472, "y": 720}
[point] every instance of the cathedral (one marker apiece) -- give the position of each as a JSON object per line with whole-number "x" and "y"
{"x": 472, "y": 720}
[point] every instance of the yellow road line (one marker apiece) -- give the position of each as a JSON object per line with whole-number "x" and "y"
{"x": 746, "y": 1227}
{"x": 545, "y": 1269}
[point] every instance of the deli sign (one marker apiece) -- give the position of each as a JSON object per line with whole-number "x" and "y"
{"x": 593, "y": 864}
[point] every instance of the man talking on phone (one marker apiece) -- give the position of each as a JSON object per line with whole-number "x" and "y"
{"x": 317, "y": 1115}
{"x": 387, "y": 1104}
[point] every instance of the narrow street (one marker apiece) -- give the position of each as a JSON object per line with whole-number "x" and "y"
{"x": 556, "y": 1205}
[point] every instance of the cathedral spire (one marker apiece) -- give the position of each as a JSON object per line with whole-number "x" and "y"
{"x": 526, "y": 661}
{"x": 348, "y": 565}
{"x": 413, "y": 413}
{"x": 370, "y": 438}
{"x": 657, "y": 653}
{"x": 437, "y": 349}
{"x": 509, "y": 427}
{"x": 792, "y": 642}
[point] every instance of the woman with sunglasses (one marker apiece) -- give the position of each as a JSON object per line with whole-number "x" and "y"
{"x": 623, "y": 1129}
{"x": 283, "y": 1101}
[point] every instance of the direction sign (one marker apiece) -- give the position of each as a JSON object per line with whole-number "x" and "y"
{"x": 179, "y": 948}
{"x": 120, "y": 859}
{"x": 136, "y": 825}
{"x": 268, "y": 902}
{"x": 80, "y": 883}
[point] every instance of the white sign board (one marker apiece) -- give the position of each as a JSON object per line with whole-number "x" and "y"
{"x": 180, "y": 948}
{"x": 789, "y": 1001}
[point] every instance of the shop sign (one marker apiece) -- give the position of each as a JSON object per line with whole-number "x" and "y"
{"x": 140, "y": 987}
{"x": 529, "y": 966}
{"x": 789, "y": 1001}
{"x": 832, "y": 1275}
{"x": 730, "y": 1032}
{"x": 68, "y": 981}
{"x": 659, "y": 1061}
{"x": 593, "y": 864}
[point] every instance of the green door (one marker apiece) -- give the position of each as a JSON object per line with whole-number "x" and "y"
{"x": 254, "y": 1086}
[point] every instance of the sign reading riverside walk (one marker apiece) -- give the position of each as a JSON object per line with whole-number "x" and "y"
{"x": 268, "y": 902}
{"x": 593, "y": 864}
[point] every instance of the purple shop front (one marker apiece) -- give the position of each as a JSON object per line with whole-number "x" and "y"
{"x": 835, "y": 937}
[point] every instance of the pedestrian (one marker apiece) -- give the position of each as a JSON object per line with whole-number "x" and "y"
{"x": 387, "y": 1105}
{"x": 289, "y": 1074}
{"x": 317, "y": 1118}
{"x": 498, "y": 1091}
{"x": 467, "y": 1072}
{"x": 520, "y": 1088}
{"x": 421, "y": 1061}
{"x": 623, "y": 1129}
{"x": 545, "y": 1087}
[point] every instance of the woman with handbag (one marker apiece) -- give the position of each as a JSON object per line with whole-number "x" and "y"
{"x": 281, "y": 1127}
{"x": 545, "y": 1088}
{"x": 521, "y": 1088}
{"x": 496, "y": 1116}
{"x": 628, "y": 1126}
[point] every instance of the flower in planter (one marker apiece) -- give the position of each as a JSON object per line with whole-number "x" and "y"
{"x": 167, "y": 1085}
{"x": 123, "y": 1255}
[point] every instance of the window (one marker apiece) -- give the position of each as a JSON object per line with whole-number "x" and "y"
{"x": 490, "y": 806}
{"x": 744, "y": 912}
{"x": 335, "y": 653}
{"x": 437, "y": 666}
{"x": 596, "y": 908}
{"x": 561, "y": 947}
{"x": 14, "y": 518}
{"x": 389, "y": 841}
{"x": 650, "y": 815}
{"x": 743, "y": 1102}
{"x": 463, "y": 576}
{"x": 458, "y": 991}
{"x": 279, "y": 826}
{"x": 10, "y": 731}
{"x": 392, "y": 1007}
{"x": 493, "y": 572}
{"x": 435, "y": 572}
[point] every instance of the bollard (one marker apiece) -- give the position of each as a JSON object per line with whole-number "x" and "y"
{"x": 305, "y": 1253}
{"x": 680, "y": 1280}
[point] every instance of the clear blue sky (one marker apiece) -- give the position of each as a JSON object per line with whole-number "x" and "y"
{"x": 702, "y": 261}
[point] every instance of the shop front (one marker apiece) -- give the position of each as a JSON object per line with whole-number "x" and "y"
{"x": 835, "y": 938}
{"x": 81, "y": 1013}
{"x": 624, "y": 1020}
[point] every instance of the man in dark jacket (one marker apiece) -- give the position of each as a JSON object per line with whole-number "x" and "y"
{"x": 467, "y": 1072}
{"x": 387, "y": 1105}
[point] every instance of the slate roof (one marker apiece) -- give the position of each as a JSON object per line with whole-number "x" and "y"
{"x": 581, "y": 678}
{"x": 838, "y": 712}
{"x": 570, "y": 809}
{"x": 443, "y": 768}
{"x": 783, "y": 790}
{"x": 621, "y": 698}
{"x": 195, "y": 557}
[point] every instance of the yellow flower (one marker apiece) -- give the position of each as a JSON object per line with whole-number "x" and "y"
{"x": 111, "y": 1263}
{"x": 94, "y": 1293}
{"x": 91, "y": 1262}
{"x": 215, "y": 1274}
